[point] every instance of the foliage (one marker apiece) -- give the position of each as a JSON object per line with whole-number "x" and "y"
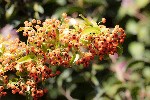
{"x": 51, "y": 44}
{"x": 126, "y": 77}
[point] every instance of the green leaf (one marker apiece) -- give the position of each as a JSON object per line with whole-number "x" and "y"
{"x": 61, "y": 2}
{"x": 144, "y": 34}
{"x": 97, "y": 67}
{"x": 95, "y": 81}
{"x": 1, "y": 82}
{"x": 146, "y": 72}
{"x": 147, "y": 54}
{"x": 38, "y": 8}
{"x": 147, "y": 90}
{"x": 119, "y": 49}
{"x": 121, "y": 13}
{"x": 136, "y": 49}
{"x": 127, "y": 10}
{"x": 20, "y": 29}
{"x": 135, "y": 76}
{"x": 85, "y": 19}
{"x": 136, "y": 66}
{"x": 73, "y": 58}
{"x": 89, "y": 22}
{"x": 99, "y": 2}
{"x": 44, "y": 47}
{"x": 131, "y": 27}
{"x": 106, "y": 57}
{"x": 2, "y": 48}
{"x": 22, "y": 74}
{"x": 24, "y": 28}
{"x": 24, "y": 59}
{"x": 91, "y": 31}
{"x": 117, "y": 97}
{"x": 10, "y": 11}
{"x": 59, "y": 11}
{"x": 112, "y": 90}
{"x": 87, "y": 75}
{"x": 57, "y": 39}
{"x": 36, "y": 15}
{"x": 141, "y": 3}
{"x": 14, "y": 79}
{"x": 103, "y": 98}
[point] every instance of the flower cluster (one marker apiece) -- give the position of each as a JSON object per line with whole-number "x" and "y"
{"x": 51, "y": 44}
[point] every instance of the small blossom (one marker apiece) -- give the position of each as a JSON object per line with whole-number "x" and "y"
{"x": 53, "y": 43}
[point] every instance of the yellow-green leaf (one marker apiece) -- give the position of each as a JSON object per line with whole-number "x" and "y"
{"x": 91, "y": 30}
{"x": 2, "y": 48}
{"x": 24, "y": 28}
{"x": 24, "y": 59}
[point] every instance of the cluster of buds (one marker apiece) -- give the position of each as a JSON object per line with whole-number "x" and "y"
{"x": 51, "y": 44}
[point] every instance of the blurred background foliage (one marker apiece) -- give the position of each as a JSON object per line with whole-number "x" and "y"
{"x": 123, "y": 78}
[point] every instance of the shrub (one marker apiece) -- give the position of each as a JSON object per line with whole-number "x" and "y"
{"x": 51, "y": 44}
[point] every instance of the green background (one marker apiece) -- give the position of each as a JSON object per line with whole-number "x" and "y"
{"x": 125, "y": 78}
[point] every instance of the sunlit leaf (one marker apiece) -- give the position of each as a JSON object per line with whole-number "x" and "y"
{"x": 61, "y": 2}
{"x": 94, "y": 80}
{"x": 148, "y": 89}
{"x": 136, "y": 49}
{"x": 72, "y": 59}
{"x": 147, "y": 54}
{"x": 24, "y": 59}
{"x": 112, "y": 90}
{"x": 146, "y": 72}
{"x": 141, "y": 3}
{"x": 96, "y": 2}
{"x": 86, "y": 20}
{"x": 127, "y": 10}
{"x": 10, "y": 11}
{"x": 131, "y": 27}
{"x": 104, "y": 98}
{"x": 89, "y": 22}
{"x": 87, "y": 75}
{"x": 135, "y": 76}
{"x": 59, "y": 11}
{"x": 97, "y": 67}
{"x": 44, "y": 46}
{"x": 121, "y": 13}
{"x": 117, "y": 97}
{"x": 24, "y": 28}
{"x": 36, "y": 15}
{"x": 65, "y": 74}
{"x": 90, "y": 31}
{"x": 135, "y": 66}
{"x": 38, "y": 8}
{"x": 2, "y": 48}
{"x": 144, "y": 35}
